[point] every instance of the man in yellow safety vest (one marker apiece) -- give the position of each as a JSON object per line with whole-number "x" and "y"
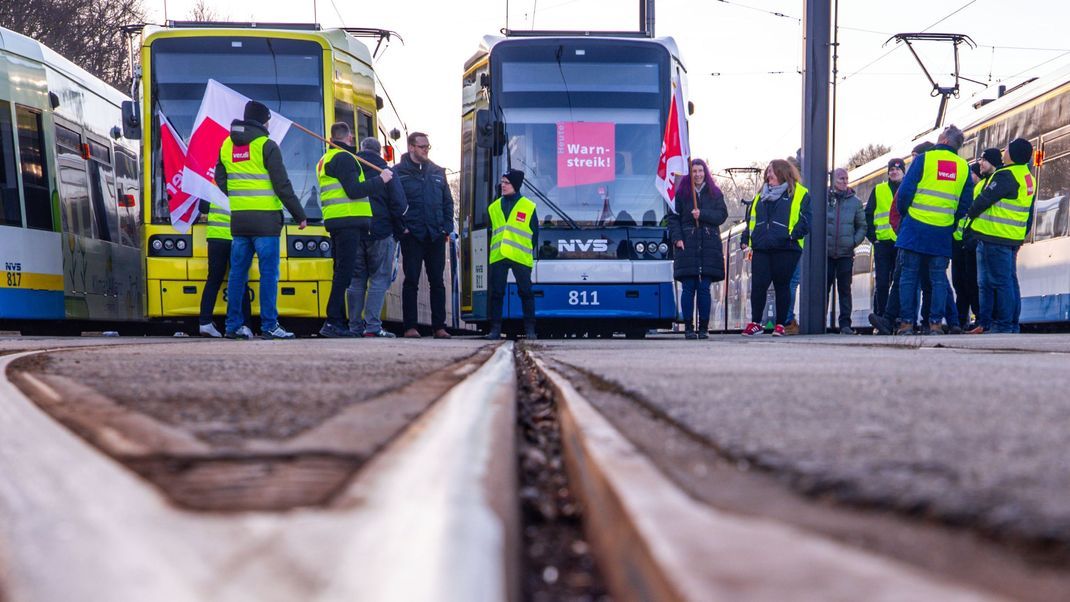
{"x": 881, "y": 233}
{"x": 514, "y": 230}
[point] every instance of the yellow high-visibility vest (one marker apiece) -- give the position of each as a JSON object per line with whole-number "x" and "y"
{"x": 882, "y": 221}
{"x": 1007, "y": 218}
{"x": 248, "y": 182}
{"x": 333, "y": 197}
{"x": 218, "y": 223}
{"x": 793, "y": 217}
{"x": 943, "y": 177}
{"x": 511, "y": 238}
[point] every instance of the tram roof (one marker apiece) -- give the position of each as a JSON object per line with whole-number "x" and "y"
{"x": 30, "y": 49}
{"x": 490, "y": 41}
{"x": 337, "y": 38}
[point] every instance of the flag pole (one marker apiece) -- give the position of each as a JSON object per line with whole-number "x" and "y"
{"x": 329, "y": 143}
{"x": 691, "y": 183}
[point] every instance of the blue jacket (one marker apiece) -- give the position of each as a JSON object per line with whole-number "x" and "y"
{"x": 388, "y": 206}
{"x": 916, "y": 236}
{"x": 430, "y": 212}
{"x": 771, "y": 225}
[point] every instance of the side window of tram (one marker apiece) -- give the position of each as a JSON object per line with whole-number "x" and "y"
{"x": 102, "y": 191}
{"x": 364, "y": 126}
{"x": 343, "y": 111}
{"x": 35, "y": 191}
{"x": 10, "y": 205}
{"x": 1052, "y": 204}
{"x": 76, "y": 208}
{"x": 126, "y": 187}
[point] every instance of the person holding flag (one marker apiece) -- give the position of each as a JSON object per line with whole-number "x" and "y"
{"x": 251, "y": 173}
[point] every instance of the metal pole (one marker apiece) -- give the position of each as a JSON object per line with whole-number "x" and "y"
{"x": 646, "y": 17}
{"x": 817, "y": 18}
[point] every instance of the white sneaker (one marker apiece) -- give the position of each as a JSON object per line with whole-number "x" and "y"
{"x": 246, "y": 332}
{"x": 209, "y": 330}
{"x": 278, "y": 333}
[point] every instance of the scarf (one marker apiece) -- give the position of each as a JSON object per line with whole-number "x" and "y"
{"x": 772, "y": 193}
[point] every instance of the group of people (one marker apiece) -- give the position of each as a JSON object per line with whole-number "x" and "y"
{"x": 939, "y": 211}
{"x": 368, "y": 208}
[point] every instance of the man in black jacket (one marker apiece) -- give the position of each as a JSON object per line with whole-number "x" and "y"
{"x": 428, "y": 225}
{"x": 256, "y": 215}
{"x": 375, "y": 253}
{"x": 347, "y": 215}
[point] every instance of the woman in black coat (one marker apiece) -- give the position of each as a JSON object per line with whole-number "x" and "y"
{"x": 695, "y": 230}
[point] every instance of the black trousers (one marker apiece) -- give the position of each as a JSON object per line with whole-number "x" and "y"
{"x": 964, "y": 279}
{"x": 499, "y": 278}
{"x": 884, "y": 253}
{"x": 417, "y": 254}
{"x": 840, "y": 271}
{"x": 218, "y": 265}
{"x": 344, "y": 245}
{"x": 774, "y": 267}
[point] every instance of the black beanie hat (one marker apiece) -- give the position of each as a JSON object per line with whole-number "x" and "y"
{"x": 515, "y": 177}
{"x": 257, "y": 111}
{"x": 897, "y": 162}
{"x": 993, "y": 156}
{"x": 1020, "y": 150}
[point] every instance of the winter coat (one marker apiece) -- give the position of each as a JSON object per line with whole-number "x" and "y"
{"x": 389, "y": 205}
{"x": 771, "y": 225}
{"x": 702, "y": 254}
{"x": 430, "y": 212}
{"x": 261, "y": 223}
{"x": 845, "y": 223}
{"x": 346, "y": 169}
{"x": 914, "y": 235}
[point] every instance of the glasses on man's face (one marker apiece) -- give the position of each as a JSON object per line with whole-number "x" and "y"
{"x": 423, "y": 146}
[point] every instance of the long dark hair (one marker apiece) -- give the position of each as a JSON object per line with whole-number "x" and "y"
{"x": 711, "y": 185}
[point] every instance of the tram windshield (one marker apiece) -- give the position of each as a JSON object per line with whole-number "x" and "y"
{"x": 286, "y": 75}
{"x": 586, "y": 128}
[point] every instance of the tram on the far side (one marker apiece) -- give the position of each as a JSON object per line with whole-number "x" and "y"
{"x": 583, "y": 116}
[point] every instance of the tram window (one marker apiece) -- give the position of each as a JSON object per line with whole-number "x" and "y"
{"x": 1052, "y": 205}
{"x": 10, "y": 204}
{"x": 99, "y": 152}
{"x": 343, "y": 111}
{"x": 76, "y": 208}
{"x": 105, "y": 205}
{"x": 34, "y": 177}
{"x": 364, "y": 125}
{"x": 126, "y": 184}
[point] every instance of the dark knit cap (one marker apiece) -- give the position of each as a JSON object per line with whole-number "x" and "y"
{"x": 257, "y": 111}
{"x": 1020, "y": 150}
{"x": 515, "y": 177}
{"x": 897, "y": 162}
{"x": 993, "y": 156}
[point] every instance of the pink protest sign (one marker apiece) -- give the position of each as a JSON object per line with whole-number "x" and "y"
{"x": 585, "y": 153}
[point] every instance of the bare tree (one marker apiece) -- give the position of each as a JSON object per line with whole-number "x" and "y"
{"x": 84, "y": 31}
{"x": 866, "y": 154}
{"x": 203, "y": 12}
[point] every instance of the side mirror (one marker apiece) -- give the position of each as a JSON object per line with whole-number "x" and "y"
{"x": 690, "y": 108}
{"x": 485, "y": 129}
{"x": 395, "y": 134}
{"x": 131, "y": 120}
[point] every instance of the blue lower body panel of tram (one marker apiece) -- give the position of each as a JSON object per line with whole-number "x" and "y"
{"x": 18, "y": 304}
{"x": 640, "y": 301}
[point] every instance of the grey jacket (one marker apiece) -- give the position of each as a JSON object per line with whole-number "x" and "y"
{"x": 845, "y": 223}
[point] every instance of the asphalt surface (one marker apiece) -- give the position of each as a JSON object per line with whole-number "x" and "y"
{"x": 972, "y": 437}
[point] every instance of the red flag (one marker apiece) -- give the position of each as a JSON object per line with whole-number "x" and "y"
{"x": 182, "y": 206}
{"x": 675, "y": 149}
{"x": 219, "y": 108}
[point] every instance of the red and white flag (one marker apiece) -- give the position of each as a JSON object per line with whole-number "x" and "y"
{"x": 675, "y": 148}
{"x": 220, "y": 106}
{"x": 182, "y": 206}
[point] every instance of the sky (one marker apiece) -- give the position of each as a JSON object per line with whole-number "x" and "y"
{"x": 750, "y": 110}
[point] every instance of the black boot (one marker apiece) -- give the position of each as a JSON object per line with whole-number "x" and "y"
{"x": 703, "y": 329}
{"x": 689, "y": 333}
{"x": 529, "y": 330}
{"x": 495, "y": 332}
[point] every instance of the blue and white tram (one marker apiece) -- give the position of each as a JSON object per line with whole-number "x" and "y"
{"x": 70, "y": 210}
{"x": 583, "y": 117}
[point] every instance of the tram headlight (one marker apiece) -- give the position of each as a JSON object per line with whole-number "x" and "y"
{"x": 180, "y": 244}
{"x": 663, "y": 248}
{"x": 299, "y": 245}
{"x": 157, "y": 245}
{"x": 640, "y": 248}
{"x": 324, "y": 246}
{"x": 168, "y": 244}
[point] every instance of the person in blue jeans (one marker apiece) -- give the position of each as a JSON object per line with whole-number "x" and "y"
{"x": 251, "y": 173}
{"x": 936, "y": 192}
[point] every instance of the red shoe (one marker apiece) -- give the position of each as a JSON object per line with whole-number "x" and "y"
{"x": 753, "y": 329}
{"x": 778, "y": 331}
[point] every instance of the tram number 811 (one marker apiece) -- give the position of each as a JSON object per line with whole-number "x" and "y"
{"x": 583, "y": 298}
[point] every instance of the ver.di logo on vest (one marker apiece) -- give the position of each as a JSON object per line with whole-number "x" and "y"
{"x": 239, "y": 154}
{"x": 947, "y": 170}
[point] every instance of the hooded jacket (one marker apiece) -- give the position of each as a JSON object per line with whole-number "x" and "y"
{"x": 344, "y": 168}
{"x": 388, "y": 206}
{"x": 703, "y": 253}
{"x": 268, "y": 222}
{"x": 430, "y": 213}
{"x": 845, "y": 223}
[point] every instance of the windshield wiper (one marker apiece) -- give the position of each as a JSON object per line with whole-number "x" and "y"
{"x": 561, "y": 212}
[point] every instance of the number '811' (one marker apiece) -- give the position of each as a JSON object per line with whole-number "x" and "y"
{"x": 583, "y": 298}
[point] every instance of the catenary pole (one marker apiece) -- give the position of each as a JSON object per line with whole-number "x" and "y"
{"x": 817, "y": 20}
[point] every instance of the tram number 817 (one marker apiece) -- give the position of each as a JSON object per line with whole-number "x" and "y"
{"x": 583, "y": 298}
{"x": 14, "y": 274}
